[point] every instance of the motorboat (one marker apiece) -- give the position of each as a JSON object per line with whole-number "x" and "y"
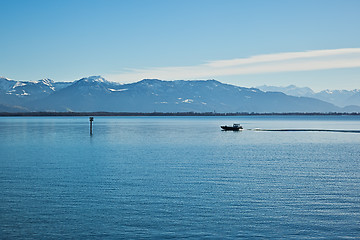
{"x": 234, "y": 127}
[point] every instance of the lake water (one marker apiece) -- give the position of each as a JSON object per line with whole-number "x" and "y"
{"x": 179, "y": 177}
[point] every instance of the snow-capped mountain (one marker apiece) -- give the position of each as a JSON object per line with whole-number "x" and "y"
{"x": 291, "y": 90}
{"x": 339, "y": 98}
{"x": 17, "y": 94}
{"x": 149, "y": 95}
{"x": 30, "y": 89}
{"x": 6, "y": 84}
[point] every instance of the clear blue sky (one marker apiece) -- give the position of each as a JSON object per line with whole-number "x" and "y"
{"x": 66, "y": 40}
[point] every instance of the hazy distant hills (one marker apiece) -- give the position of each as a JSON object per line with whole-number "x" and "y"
{"x": 341, "y": 98}
{"x": 150, "y": 95}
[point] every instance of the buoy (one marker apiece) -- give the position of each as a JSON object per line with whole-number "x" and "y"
{"x": 91, "y": 119}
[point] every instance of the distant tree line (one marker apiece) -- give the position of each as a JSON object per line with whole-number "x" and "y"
{"x": 44, "y": 114}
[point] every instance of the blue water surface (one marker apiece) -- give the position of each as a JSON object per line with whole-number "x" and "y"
{"x": 179, "y": 177}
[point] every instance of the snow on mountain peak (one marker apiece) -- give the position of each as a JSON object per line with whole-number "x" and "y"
{"x": 5, "y": 78}
{"x": 92, "y": 80}
{"x": 95, "y": 79}
{"x": 6, "y": 84}
{"x": 328, "y": 91}
{"x": 19, "y": 84}
{"x": 46, "y": 81}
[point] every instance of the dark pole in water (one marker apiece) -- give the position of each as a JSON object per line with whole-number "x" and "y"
{"x": 91, "y": 119}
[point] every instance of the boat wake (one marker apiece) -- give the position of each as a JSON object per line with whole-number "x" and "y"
{"x": 306, "y": 130}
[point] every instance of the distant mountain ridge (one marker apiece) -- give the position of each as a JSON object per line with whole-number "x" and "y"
{"x": 149, "y": 95}
{"x": 341, "y": 98}
{"x": 291, "y": 90}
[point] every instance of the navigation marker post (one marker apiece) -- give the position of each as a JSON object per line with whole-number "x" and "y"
{"x": 91, "y": 119}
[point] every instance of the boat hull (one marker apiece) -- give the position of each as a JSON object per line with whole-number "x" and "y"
{"x": 231, "y": 128}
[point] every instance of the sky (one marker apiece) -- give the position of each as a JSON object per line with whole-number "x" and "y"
{"x": 313, "y": 43}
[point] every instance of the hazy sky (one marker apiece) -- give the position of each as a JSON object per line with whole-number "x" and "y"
{"x": 311, "y": 43}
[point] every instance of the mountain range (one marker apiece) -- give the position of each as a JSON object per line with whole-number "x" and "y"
{"x": 340, "y": 98}
{"x": 149, "y": 95}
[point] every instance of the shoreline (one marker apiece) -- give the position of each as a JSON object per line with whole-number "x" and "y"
{"x": 134, "y": 114}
